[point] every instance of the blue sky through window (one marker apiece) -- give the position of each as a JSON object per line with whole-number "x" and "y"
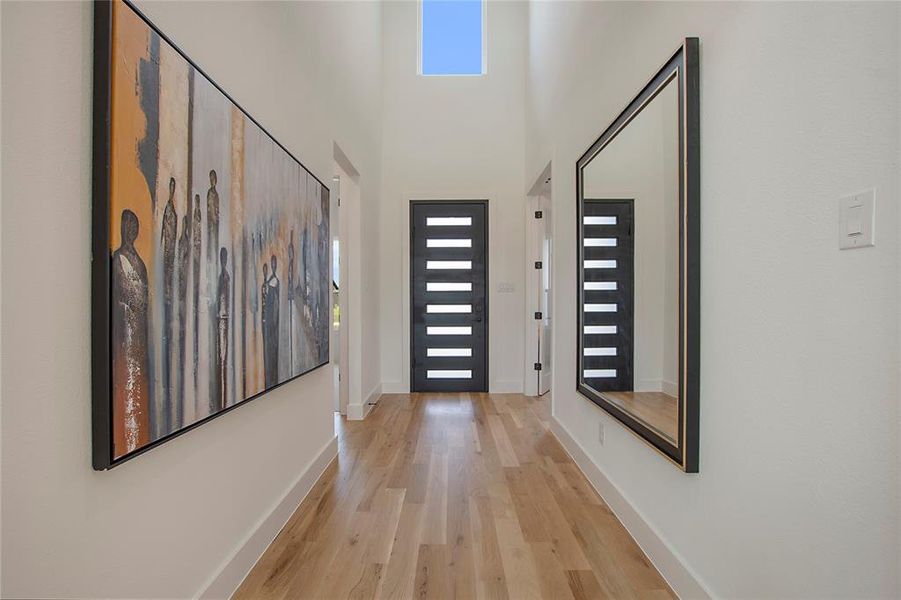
{"x": 452, "y": 37}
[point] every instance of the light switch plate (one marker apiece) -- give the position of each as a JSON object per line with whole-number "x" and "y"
{"x": 857, "y": 220}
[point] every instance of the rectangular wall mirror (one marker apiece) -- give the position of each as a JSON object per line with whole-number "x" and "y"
{"x": 638, "y": 245}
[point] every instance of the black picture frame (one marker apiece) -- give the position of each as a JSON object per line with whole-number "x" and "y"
{"x": 101, "y": 318}
{"x": 684, "y": 66}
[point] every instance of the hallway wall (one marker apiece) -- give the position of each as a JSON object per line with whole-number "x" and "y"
{"x": 455, "y": 138}
{"x": 163, "y": 524}
{"x": 798, "y": 492}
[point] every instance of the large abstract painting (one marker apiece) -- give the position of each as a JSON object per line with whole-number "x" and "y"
{"x": 211, "y": 250}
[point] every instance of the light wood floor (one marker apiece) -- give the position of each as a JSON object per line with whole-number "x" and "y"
{"x": 656, "y": 409}
{"x": 453, "y": 495}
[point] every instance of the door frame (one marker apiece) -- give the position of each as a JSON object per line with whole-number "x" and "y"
{"x": 349, "y": 231}
{"x": 409, "y": 280}
{"x": 338, "y": 338}
{"x": 391, "y": 386}
{"x": 541, "y": 185}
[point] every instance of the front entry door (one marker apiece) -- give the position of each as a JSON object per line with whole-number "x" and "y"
{"x": 448, "y": 285}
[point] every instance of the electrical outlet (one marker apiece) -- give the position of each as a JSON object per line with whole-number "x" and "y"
{"x": 601, "y": 432}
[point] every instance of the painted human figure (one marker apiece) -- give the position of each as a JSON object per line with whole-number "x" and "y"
{"x": 253, "y": 292}
{"x": 182, "y": 263}
{"x": 291, "y": 267}
{"x": 271, "y": 291}
{"x": 162, "y": 420}
{"x": 264, "y": 330}
{"x": 195, "y": 284}
{"x": 305, "y": 274}
{"x": 322, "y": 294}
{"x": 223, "y": 302}
{"x": 212, "y": 220}
{"x": 131, "y": 373}
{"x": 292, "y": 280}
{"x": 212, "y": 254}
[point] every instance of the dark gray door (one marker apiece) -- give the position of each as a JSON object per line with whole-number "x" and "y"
{"x": 608, "y": 274}
{"x": 448, "y": 305}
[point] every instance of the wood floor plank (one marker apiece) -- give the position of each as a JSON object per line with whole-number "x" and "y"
{"x": 584, "y": 586}
{"x": 369, "y": 584}
{"x": 452, "y": 496}
{"x": 505, "y": 448}
{"x": 491, "y": 582}
{"x": 401, "y": 567}
{"x": 432, "y": 578}
{"x": 387, "y": 507}
{"x": 551, "y": 574}
{"x": 519, "y": 564}
{"x": 459, "y": 534}
{"x": 434, "y": 520}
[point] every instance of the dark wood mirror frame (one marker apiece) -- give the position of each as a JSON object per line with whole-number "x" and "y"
{"x": 683, "y": 65}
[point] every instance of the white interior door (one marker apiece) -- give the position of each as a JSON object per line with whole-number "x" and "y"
{"x": 335, "y": 339}
{"x": 544, "y": 327}
{"x": 340, "y": 295}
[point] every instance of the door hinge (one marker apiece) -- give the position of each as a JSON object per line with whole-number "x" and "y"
{"x": 538, "y": 264}
{"x": 538, "y": 316}
{"x": 537, "y": 366}
{"x": 538, "y": 214}
{"x": 339, "y": 201}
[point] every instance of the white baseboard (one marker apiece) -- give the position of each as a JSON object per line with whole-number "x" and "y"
{"x": 513, "y": 386}
{"x": 679, "y": 576}
{"x": 658, "y": 385}
{"x": 358, "y": 412}
{"x": 235, "y": 568}
{"x": 648, "y": 385}
{"x": 669, "y": 388}
{"x": 395, "y": 387}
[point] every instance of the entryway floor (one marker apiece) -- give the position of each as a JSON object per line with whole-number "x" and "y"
{"x": 453, "y": 496}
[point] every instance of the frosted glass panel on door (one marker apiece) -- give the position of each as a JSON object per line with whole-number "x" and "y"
{"x": 440, "y": 286}
{"x": 448, "y": 308}
{"x": 600, "y": 242}
{"x": 600, "y": 220}
{"x": 600, "y": 373}
{"x": 449, "y": 352}
{"x": 449, "y": 264}
{"x": 448, "y": 374}
{"x": 600, "y": 264}
{"x": 600, "y": 308}
{"x": 438, "y": 330}
{"x": 600, "y": 351}
{"x": 448, "y": 243}
{"x": 600, "y": 286}
{"x": 448, "y": 221}
{"x": 600, "y": 329}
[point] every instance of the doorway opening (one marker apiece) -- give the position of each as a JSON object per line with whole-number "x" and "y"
{"x": 448, "y": 296}
{"x": 337, "y": 284}
{"x": 539, "y": 256}
{"x": 344, "y": 212}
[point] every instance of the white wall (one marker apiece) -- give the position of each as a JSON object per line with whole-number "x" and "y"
{"x": 798, "y": 493}
{"x": 455, "y": 138}
{"x": 164, "y": 523}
